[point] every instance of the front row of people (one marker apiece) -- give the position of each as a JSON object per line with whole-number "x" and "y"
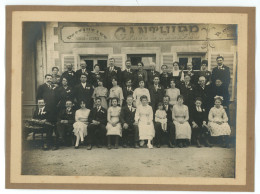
{"x": 137, "y": 126}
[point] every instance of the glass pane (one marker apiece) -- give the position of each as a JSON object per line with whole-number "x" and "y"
{"x": 196, "y": 62}
{"x": 89, "y": 65}
{"x": 102, "y": 64}
{"x": 183, "y": 63}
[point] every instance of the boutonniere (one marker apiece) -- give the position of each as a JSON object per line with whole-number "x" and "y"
{"x": 203, "y": 110}
{"x": 133, "y": 109}
{"x": 102, "y": 111}
{"x": 69, "y": 113}
{"x": 115, "y": 70}
{"x": 68, "y": 91}
{"x": 87, "y": 88}
{"x": 43, "y": 113}
{"x": 189, "y": 86}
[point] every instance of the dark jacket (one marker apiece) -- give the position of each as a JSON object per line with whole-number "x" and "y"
{"x": 48, "y": 94}
{"x": 127, "y": 75}
{"x": 151, "y": 75}
{"x": 223, "y": 74}
{"x": 78, "y": 74}
{"x": 95, "y": 77}
{"x": 193, "y": 76}
{"x": 219, "y": 91}
{"x": 62, "y": 95}
{"x": 110, "y": 74}
{"x": 65, "y": 115}
{"x": 169, "y": 112}
{"x": 156, "y": 95}
{"x": 188, "y": 93}
{"x": 204, "y": 94}
{"x": 198, "y": 117}
{"x": 165, "y": 80}
{"x": 71, "y": 78}
{"x": 42, "y": 115}
{"x": 84, "y": 94}
{"x": 127, "y": 116}
{"x": 100, "y": 115}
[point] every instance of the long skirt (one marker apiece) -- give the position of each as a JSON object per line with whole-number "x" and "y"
{"x": 219, "y": 130}
{"x": 146, "y": 131}
{"x": 183, "y": 131}
{"x": 80, "y": 126}
{"x": 117, "y": 130}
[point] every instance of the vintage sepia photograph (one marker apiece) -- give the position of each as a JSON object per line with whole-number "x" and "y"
{"x": 130, "y": 99}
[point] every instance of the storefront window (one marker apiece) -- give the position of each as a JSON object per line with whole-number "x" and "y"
{"x": 147, "y": 59}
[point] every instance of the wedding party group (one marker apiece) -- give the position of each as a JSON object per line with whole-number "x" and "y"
{"x": 135, "y": 108}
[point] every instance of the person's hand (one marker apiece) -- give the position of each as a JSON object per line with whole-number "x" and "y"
{"x": 113, "y": 124}
{"x": 218, "y": 122}
{"x": 64, "y": 121}
{"x": 95, "y": 122}
{"x": 125, "y": 126}
{"x": 181, "y": 122}
{"x": 194, "y": 125}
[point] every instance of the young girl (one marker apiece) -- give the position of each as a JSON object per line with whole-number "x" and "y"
{"x": 113, "y": 125}
{"x": 173, "y": 92}
{"x": 199, "y": 123}
{"x": 81, "y": 124}
{"x": 101, "y": 92}
{"x": 161, "y": 116}
{"x": 116, "y": 92}
{"x": 144, "y": 120}
{"x": 218, "y": 121}
{"x": 138, "y": 92}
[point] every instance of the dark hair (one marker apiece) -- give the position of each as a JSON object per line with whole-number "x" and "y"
{"x": 69, "y": 100}
{"x": 204, "y": 62}
{"x": 40, "y": 99}
{"x": 218, "y": 57}
{"x": 165, "y": 66}
{"x": 128, "y": 80}
{"x": 47, "y": 75}
{"x": 156, "y": 76}
{"x": 82, "y": 101}
{"x": 180, "y": 96}
{"x": 114, "y": 98}
{"x": 96, "y": 65}
{"x": 54, "y": 68}
{"x": 218, "y": 98}
{"x": 175, "y": 62}
{"x": 130, "y": 96}
{"x": 166, "y": 96}
{"x": 198, "y": 99}
{"x": 83, "y": 74}
{"x": 112, "y": 59}
{"x": 98, "y": 98}
{"x": 100, "y": 80}
{"x": 115, "y": 78}
{"x": 64, "y": 78}
{"x": 143, "y": 97}
{"x": 172, "y": 80}
{"x": 127, "y": 61}
{"x": 218, "y": 79}
{"x": 141, "y": 63}
{"x": 186, "y": 75}
{"x": 139, "y": 80}
{"x": 160, "y": 104}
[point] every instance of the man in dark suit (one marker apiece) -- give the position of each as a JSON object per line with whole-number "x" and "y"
{"x": 187, "y": 90}
{"x": 156, "y": 93}
{"x": 203, "y": 91}
{"x": 191, "y": 73}
{"x": 96, "y": 75}
{"x": 97, "y": 126}
{"x": 128, "y": 73}
{"x": 222, "y": 72}
{"x": 70, "y": 75}
{"x": 42, "y": 114}
{"x": 151, "y": 74}
{"x": 112, "y": 71}
{"x": 127, "y": 119}
{"x": 165, "y": 77}
{"x": 84, "y": 91}
{"x": 66, "y": 118}
{"x": 127, "y": 90}
{"x": 46, "y": 91}
{"x": 170, "y": 126}
{"x": 81, "y": 71}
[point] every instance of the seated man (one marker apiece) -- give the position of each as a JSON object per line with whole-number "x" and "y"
{"x": 42, "y": 114}
{"x": 170, "y": 131}
{"x": 66, "y": 118}
{"x": 127, "y": 119}
{"x": 97, "y": 127}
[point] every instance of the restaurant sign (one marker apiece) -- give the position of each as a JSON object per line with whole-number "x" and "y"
{"x": 164, "y": 32}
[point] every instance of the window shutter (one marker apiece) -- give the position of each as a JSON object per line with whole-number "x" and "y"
{"x": 68, "y": 58}
{"x": 119, "y": 60}
{"x": 230, "y": 61}
{"x": 167, "y": 59}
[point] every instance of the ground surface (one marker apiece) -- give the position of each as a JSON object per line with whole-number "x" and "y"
{"x": 157, "y": 162}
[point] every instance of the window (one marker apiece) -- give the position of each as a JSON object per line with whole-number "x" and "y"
{"x": 195, "y": 59}
{"x": 91, "y": 60}
{"x": 147, "y": 59}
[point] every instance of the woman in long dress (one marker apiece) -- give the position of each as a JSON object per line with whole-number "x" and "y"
{"x": 116, "y": 92}
{"x": 114, "y": 128}
{"x": 138, "y": 92}
{"x": 173, "y": 92}
{"x": 218, "y": 121}
{"x": 180, "y": 116}
{"x": 81, "y": 124}
{"x": 101, "y": 92}
{"x": 144, "y": 120}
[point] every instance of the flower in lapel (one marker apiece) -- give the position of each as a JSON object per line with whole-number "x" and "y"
{"x": 68, "y": 91}
{"x": 87, "y": 88}
{"x": 43, "y": 112}
{"x": 133, "y": 109}
{"x": 203, "y": 110}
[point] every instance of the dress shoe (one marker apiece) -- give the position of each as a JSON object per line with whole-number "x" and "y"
{"x": 150, "y": 146}
{"x": 116, "y": 146}
{"x": 171, "y": 145}
{"x": 109, "y": 147}
{"x": 180, "y": 145}
{"x": 99, "y": 146}
{"x": 142, "y": 143}
{"x": 158, "y": 145}
{"x": 124, "y": 145}
{"x": 136, "y": 145}
{"x": 76, "y": 147}
{"x": 89, "y": 147}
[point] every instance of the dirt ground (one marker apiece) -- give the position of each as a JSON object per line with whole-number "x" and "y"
{"x": 157, "y": 162}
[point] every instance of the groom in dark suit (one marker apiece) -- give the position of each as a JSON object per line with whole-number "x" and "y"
{"x": 97, "y": 127}
{"x": 127, "y": 119}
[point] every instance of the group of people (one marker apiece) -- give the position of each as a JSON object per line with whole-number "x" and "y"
{"x": 140, "y": 107}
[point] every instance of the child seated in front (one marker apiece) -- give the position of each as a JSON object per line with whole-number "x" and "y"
{"x": 161, "y": 116}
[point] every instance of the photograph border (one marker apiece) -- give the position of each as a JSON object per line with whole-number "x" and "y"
{"x": 249, "y": 186}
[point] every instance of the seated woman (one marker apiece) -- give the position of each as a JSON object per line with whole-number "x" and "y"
{"x": 101, "y": 92}
{"x": 138, "y": 92}
{"x": 180, "y": 116}
{"x": 116, "y": 92}
{"x": 218, "y": 121}
{"x": 81, "y": 124}
{"x": 144, "y": 120}
{"x": 113, "y": 123}
{"x": 173, "y": 92}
